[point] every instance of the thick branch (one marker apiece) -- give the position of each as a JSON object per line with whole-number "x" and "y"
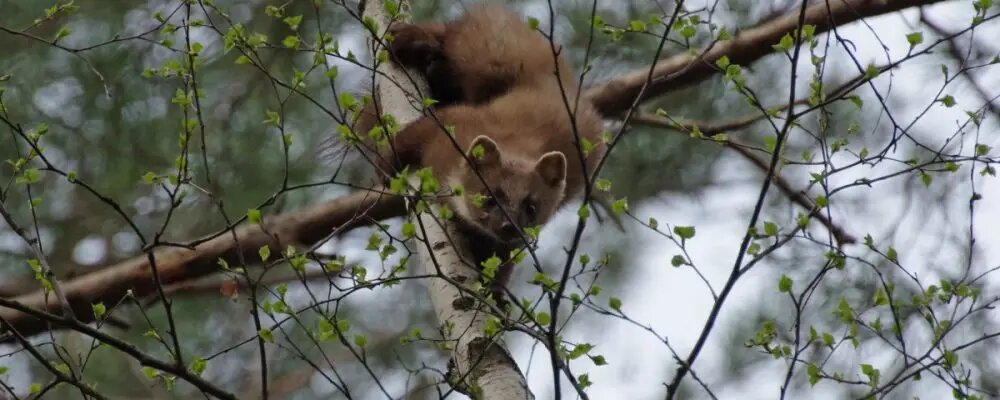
{"x": 177, "y": 264}
{"x": 673, "y": 73}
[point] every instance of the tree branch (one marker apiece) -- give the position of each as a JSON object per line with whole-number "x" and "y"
{"x": 178, "y": 264}
{"x": 797, "y": 196}
{"x": 673, "y": 73}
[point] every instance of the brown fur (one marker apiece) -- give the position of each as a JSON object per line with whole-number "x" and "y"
{"x": 479, "y": 56}
{"x": 498, "y": 80}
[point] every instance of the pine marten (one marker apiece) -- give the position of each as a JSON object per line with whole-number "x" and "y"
{"x": 496, "y": 82}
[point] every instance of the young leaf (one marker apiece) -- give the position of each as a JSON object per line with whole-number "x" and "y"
{"x": 785, "y": 284}
{"x": 266, "y": 334}
{"x": 253, "y": 215}
{"x": 685, "y": 232}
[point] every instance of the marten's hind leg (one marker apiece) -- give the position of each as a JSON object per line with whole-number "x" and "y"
{"x": 421, "y": 47}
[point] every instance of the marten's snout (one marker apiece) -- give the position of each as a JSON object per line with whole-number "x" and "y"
{"x": 508, "y": 229}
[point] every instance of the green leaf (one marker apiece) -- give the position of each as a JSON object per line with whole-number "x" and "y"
{"x": 360, "y": 341}
{"x": 347, "y": 100}
{"x": 266, "y": 335}
{"x": 786, "y": 43}
{"x": 603, "y": 185}
{"x": 293, "y": 22}
{"x": 856, "y": 100}
{"x": 880, "y": 298}
{"x": 814, "y": 374}
{"x": 821, "y": 201}
{"x": 533, "y": 23}
{"x": 30, "y": 175}
{"x": 808, "y": 31}
{"x": 491, "y": 266}
{"x": 409, "y": 230}
{"x": 871, "y": 71}
{"x": 678, "y": 260}
{"x": 688, "y": 31}
{"x": 685, "y": 232}
{"x": 770, "y": 228}
{"x": 583, "y": 212}
{"x": 722, "y": 62}
{"x": 478, "y": 152}
{"x": 950, "y": 359}
{"x": 724, "y": 34}
{"x": 915, "y": 38}
{"x": 982, "y": 150}
{"x": 948, "y": 101}
{"x": 620, "y": 206}
{"x": 63, "y": 32}
{"x": 844, "y": 311}
{"x": 543, "y": 318}
{"x": 336, "y": 265}
{"x": 99, "y": 310}
{"x": 891, "y": 254}
{"x": 871, "y": 372}
{"x": 264, "y": 252}
{"x": 332, "y": 73}
{"x": 637, "y": 26}
{"x": 243, "y": 60}
{"x": 785, "y": 284}
{"x": 272, "y": 118}
{"x": 35, "y": 388}
{"x": 198, "y": 365}
{"x": 253, "y": 215}
{"x": 579, "y": 350}
{"x": 615, "y": 304}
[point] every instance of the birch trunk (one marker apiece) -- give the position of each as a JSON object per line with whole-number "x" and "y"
{"x": 480, "y": 365}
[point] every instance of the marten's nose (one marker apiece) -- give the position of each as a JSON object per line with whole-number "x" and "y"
{"x": 508, "y": 228}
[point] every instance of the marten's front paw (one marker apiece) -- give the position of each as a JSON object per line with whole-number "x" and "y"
{"x": 414, "y": 45}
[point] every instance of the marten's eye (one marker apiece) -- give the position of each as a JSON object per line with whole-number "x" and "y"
{"x": 529, "y": 208}
{"x": 489, "y": 201}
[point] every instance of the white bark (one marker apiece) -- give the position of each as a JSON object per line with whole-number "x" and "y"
{"x": 481, "y": 366}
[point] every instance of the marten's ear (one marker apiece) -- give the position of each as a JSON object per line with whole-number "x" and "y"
{"x": 490, "y": 152}
{"x": 552, "y": 167}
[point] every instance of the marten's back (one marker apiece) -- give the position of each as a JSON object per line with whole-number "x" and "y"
{"x": 491, "y": 50}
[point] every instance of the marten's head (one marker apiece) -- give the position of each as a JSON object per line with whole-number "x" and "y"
{"x": 522, "y": 192}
